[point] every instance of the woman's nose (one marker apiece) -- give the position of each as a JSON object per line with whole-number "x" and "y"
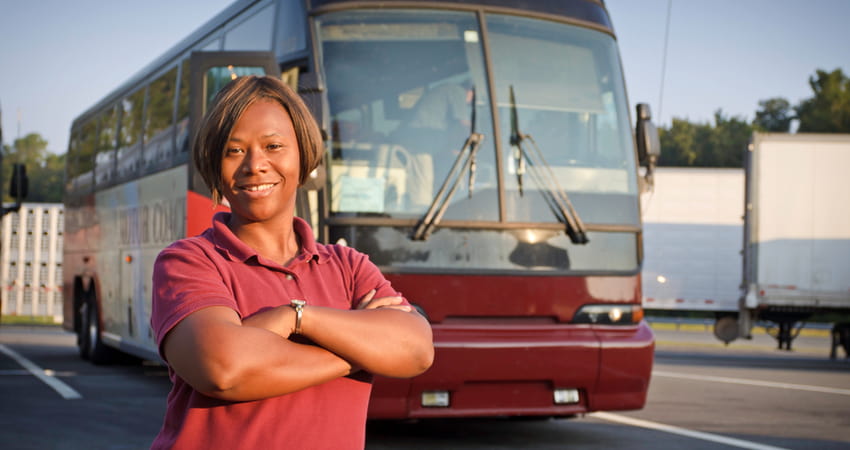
{"x": 255, "y": 161}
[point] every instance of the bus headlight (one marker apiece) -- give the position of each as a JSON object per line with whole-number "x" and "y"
{"x": 612, "y": 314}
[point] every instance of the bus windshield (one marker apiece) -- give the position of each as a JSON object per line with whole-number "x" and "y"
{"x": 407, "y": 88}
{"x": 401, "y": 84}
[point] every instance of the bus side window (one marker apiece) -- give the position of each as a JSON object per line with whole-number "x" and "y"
{"x": 182, "y": 122}
{"x": 71, "y": 159}
{"x": 159, "y": 130}
{"x": 81, "y": 178}
{"x": 291, "y": 30}
{"x": 104, "y": 161}
{"x": 253, "y": 33}
{"x": 130, "y": 135}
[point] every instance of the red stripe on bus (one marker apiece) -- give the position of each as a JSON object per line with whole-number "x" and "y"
{"x": 199, "y": 213}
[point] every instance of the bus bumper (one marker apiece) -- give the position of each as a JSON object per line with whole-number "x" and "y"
{"x": 514, "y": 370}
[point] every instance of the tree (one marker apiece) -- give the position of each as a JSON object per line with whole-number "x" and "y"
{"x": 729, "y": 139}
{"x": 828, "y": 111}
{"x": 678, "y": 146}
{"x": 774, "y": 115}
{"x": 703, "y": 144}
{"x": 44, "y": 169}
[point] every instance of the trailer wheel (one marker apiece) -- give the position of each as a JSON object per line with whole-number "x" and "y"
{"x": 726, "y": 328}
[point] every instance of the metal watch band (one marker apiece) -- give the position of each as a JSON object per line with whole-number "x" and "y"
{"x": 298, "y": 306}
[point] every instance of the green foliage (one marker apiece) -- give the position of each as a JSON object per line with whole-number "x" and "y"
{"x": 703, "y": 144}
{"x": 828, "y": 111}
{"x": 722, "y": 143}
{"x": 774, "y": 115}
{"x": 45, "y": 170}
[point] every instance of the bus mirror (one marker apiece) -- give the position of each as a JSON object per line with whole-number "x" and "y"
{"x": 648, "y": 144}
{"x": 20, "y": 183}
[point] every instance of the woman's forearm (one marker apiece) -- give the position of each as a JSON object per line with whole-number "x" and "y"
{"x": 383, "y": 341}
{"x": 223, "y": 358}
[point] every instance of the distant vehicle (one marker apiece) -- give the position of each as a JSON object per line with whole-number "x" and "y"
{"x": 770, "y": 242}
{"x": 516, "y": 229}
{"x": 693, "y": 225}
{"x": 796, "y": 230}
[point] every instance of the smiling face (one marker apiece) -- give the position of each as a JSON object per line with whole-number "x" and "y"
{"x": 260, "y": 165}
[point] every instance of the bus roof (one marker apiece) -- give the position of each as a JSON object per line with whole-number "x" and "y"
{"x": 590, "y": 12}
{"x": 170, "y": 55}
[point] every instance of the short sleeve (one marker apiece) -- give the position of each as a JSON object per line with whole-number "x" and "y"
{"x": 366, "y": 276}
{"x": 185, "y": 279}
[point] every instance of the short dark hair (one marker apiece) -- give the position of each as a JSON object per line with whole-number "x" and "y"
{"x": 226, "y": 108}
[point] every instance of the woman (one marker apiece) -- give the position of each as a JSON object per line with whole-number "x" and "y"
{"x": 270, "y": 337}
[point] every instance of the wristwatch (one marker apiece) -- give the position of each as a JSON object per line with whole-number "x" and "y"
{"x": 298, "y": 306}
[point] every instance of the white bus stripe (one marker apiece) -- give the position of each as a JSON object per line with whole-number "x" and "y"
{"x": 683, "y": 431}
{"x": 67, "y": 392}
{"x": 771, "y": 384}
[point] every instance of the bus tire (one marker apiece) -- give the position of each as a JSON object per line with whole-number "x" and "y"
{"x": 81, "y": 326}
{"x": 91, "y": 346}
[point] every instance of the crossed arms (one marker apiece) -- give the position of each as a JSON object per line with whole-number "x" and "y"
{"x": 223, "y": 356}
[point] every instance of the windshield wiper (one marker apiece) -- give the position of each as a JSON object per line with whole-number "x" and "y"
{"x": 464, "y": 163}
{"x": 556, "y": 197}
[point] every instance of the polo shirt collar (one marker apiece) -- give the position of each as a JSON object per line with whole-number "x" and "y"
{"x": 227, "y": 242}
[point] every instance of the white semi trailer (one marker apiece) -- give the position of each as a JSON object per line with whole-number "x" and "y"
{"x": 769, "y": 242}
{"x": 796, "y": 229}
{"x": 693, "y": 229}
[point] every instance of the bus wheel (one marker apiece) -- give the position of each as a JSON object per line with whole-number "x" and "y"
{"x": 91, "y": 346}
{"x": 82, "y": 329}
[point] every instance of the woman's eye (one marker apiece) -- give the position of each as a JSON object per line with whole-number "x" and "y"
{"x": 234, "y": 151}
{"x": 274, "y": 147}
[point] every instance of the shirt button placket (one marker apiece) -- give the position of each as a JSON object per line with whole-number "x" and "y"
{"x": 293, "y": 287}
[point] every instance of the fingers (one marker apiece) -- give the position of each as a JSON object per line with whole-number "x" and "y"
{"x": 364, "y": 302}
{"x": 368, "y": 302}
{"x": 404, "y": 308}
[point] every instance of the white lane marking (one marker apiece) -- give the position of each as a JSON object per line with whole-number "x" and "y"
{"x": 67, "y": 392}
{"x": 683, "y": 432}
{"x": 771, "y": 384}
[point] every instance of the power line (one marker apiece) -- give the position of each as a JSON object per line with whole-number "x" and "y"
{"x": 664, "y": 60}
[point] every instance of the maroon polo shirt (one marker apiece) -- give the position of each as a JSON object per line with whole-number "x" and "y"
{"x": 217, "y": 269}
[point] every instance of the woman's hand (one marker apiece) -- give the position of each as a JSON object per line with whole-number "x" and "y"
{"x": 368, "y": 302}
{"x": 279, "y": 320}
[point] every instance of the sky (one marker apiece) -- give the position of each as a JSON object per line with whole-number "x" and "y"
{"x": 59, "y": 57}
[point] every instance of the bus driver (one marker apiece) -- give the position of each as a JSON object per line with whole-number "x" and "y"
{"x": 270, "y": 337}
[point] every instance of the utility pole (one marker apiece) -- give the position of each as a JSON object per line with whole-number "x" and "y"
{"x": 2, "y": 150}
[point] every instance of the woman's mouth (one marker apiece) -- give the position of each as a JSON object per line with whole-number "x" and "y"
{"x": 258, "y": 187}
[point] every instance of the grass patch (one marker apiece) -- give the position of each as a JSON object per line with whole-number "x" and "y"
{"x": 28, "y": 320}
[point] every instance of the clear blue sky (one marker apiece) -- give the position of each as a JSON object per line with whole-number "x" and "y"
{"x": 58, "y": 57}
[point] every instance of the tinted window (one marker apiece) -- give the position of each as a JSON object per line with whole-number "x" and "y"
{"x": 81, "y": 174}
{"x": 569, "y": 98}
{"x": 182, "y": 124}
{"x": 130, "y": 134}
{"x": 400, "y": 90}
{"x": 105, "y": 158}
{"x": 159, "y": 132}
{"x": 291, "y": 33}
{"x": 255, "y": 33}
